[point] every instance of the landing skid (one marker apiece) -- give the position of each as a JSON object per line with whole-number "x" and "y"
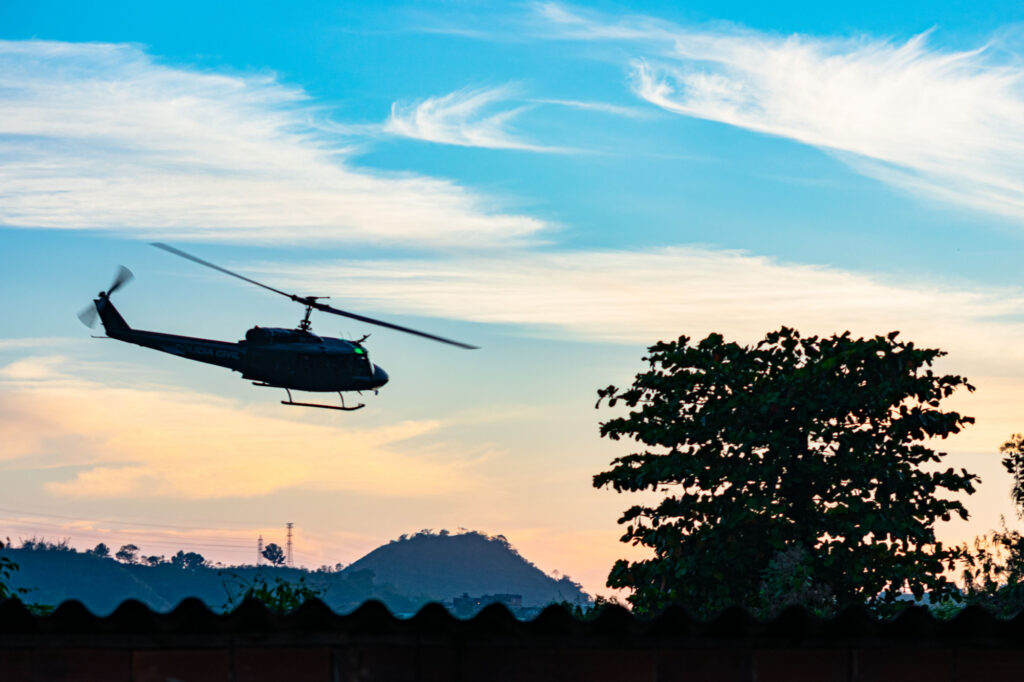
{"x": 290, "y": 401}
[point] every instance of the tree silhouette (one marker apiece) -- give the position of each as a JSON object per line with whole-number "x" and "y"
{"x": 794, "y": 467}
{"x": 274, "y": 554}
{"x": 7, "y": 567}
{"x": 993, "y": 574}
{"x": 187, "y": 560}
{"x": 100, "y": 550}
{"x": 1013, "y": 462}
{"x": 127, "y": 553}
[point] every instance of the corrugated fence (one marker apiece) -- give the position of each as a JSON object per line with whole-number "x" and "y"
{"x": 252, "y": 644}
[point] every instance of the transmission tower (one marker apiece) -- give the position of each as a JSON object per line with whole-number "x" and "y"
{"x": 259, "y": 551}
{"x": 289, "y": 525}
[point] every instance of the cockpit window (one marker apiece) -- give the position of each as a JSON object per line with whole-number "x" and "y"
{"x": 361, "y": 362}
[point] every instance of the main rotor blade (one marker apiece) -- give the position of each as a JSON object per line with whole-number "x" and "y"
{"x": 123, "y": 276}
{"x": 194, "y": 259}
{"x": 381, "y": 323}
{"x": 311, "y": 301}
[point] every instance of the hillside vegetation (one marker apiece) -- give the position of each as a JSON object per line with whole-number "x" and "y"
{"x": 436, "y": 567}
{"x": 405, "y": 574}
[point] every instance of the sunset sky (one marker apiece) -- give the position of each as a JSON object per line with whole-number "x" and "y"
{"x": 562, "y": 185}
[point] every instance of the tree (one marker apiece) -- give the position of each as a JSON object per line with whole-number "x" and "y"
{"x": 282, "y": 596}
{"x": 127, "y": 553}
{"x": 799, "y": 455}
{"x": 274, "y": 554}
{"x": 187, "y": 560}
{"x": 100, "y": 550}
{"x": 993, "y": 573}
{"x": 7, "y": 567}
{"x": 1013, "y": 462}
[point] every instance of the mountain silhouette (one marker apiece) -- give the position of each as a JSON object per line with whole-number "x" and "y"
{"x": 405, "y": 574}
{"x": 440, "y": 566}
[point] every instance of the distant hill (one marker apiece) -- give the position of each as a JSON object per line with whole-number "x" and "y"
{"x": 405, "y": 574}
{"x": 438, "y": 567}
{"x": 102, "y": 583}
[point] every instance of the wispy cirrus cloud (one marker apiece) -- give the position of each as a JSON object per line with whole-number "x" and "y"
{"x": 22, "y": 343}
{"x": 602, "y": 107}
{"x": 624, "y": 296}
{"x": 102, "y": 136}
{"x": 483, "y": 117}
{"x": 941, "y": 123}
{"x": 468, "y": 118}
{"x": 638, "y": 297}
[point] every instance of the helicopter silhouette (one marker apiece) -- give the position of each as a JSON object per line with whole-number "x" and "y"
{"x": 292, "y": 359}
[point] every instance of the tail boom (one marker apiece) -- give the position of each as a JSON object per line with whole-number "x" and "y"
{"x": 221, "y": 353}
{"x": 210, "y": 351}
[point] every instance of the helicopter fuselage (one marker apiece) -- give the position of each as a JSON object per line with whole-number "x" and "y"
{"x": 285, "y": 358}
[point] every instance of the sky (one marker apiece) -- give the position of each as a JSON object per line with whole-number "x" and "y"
{"x": 559, "y": 184}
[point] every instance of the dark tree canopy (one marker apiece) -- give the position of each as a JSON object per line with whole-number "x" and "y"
{"x": 100, "y": 550}
{"x": 7, "y": 567}
{"x": 127, "y": 553}
{"x": 274, "y": 554}
{"x": 993, "y": 574}
{"x": 792, "y": 467}
{"x": 1013, "y": 462}
{"x": 187, "y": 560}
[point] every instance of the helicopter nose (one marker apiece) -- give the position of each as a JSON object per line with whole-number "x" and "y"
{"x": 380, "y": 377}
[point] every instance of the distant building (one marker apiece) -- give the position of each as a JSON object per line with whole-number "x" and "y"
{"x": 465, "y": 605}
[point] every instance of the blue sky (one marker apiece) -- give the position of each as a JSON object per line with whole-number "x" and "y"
{"x": 560, "y": 184}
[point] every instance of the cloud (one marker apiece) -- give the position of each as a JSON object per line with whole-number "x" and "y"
{"x": 602, "y": 107}
{"x": 940, "y": 123}
{"x": 21, "y": 343}
{"x": 102, "y": 136}
{"x": 638, "y": 297}
{"x": 185, "y": 445}
{"x": 36, "y": 368}
{"x": 460, "y": 118}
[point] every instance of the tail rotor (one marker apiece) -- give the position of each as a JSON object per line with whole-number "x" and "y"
{"x": 89, "y": 315}
{"x": 123, "y": 276}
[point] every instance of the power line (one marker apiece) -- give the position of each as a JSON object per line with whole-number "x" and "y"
{"x": 158, "y": 537}
{"x": 118, "y": 521}
{"x": 211, "y": 541}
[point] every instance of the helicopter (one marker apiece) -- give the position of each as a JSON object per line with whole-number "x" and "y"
{"x": 292, "y": 359}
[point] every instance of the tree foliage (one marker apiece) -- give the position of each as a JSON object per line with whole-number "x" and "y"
{"x": 993, "y": 573}
{"x": 7, "y": 567}
{"x": 35, "y": 544}
{"x": 803, "y": 455}
{"x": 1013, "y": 462}
{"x": 993, "y": 569}
{"x": 274, "y": 554}
{"x": 127, "y": 554}
{"x": 281, "y": 596}
{"x": 187, "y": 560}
